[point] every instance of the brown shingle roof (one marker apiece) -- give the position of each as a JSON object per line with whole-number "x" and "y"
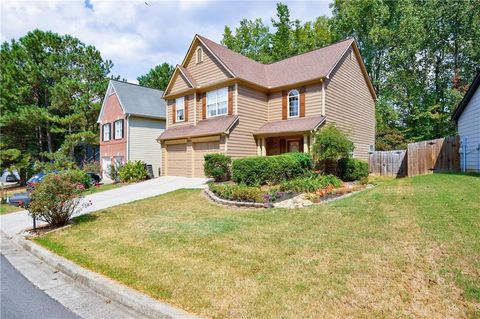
{"x": 304, "y": 67}
{"x": 212, "y": 126}
{"x": 304, "y": 124}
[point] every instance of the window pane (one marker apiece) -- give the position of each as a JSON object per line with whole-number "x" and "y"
{"x": 212, "y": 109}
{"x": 222, "y": 108}
{"x": 211, "y": 97}
{"x": 293, "y": 106}
{"x": 222, "y": 95}
{"x": 180, "y": 115}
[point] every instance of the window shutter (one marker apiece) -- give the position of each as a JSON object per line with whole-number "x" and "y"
{"x": 123, "y": 129}
{"x": 114, "y": 133}
{"x": 204, "y": 106}
{"x": 103, "y": 132}
{"x": 231, "y": 88}
{"x": 284, "y": 105}
{"x": 302, "y": 101}
{"x": 185, "y": 109}
{"x": 174, "y": 113}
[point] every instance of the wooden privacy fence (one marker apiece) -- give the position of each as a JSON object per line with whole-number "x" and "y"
{"x": 388, "y": 163}
{"x": 439, "y": 155}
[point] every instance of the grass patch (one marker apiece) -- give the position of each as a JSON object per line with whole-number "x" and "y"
{"x": 407, "y": 248}
{"x": 102, "y": 188}
{"x": 6, "y": 209}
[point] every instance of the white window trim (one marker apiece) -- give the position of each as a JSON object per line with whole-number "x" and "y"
{"x": 176, "y": 109}
{"x": 216, "y": 102}
{"x": 120, "y": 122}
{"x": 109, "y": 125}
{"x": 199, "y": 60}
{"x": 298, "y": 105}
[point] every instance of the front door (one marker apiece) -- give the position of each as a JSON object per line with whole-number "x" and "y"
{"x": 293, "y": 146}
{"x": 106, "y": 162}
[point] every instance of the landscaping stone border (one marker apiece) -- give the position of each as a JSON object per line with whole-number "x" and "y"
{"x": 222, "y": 201}
{"x": 104, "y": 286}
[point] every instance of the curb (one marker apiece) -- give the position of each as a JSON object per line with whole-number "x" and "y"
{"x": 108, "y": 288}
{"x": 222, "y": 201}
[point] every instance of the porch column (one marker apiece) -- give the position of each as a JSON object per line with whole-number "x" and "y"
{"x": 305, "y": 143}
{"x": 264, "y": 150}
{"x": 259, "y": 147}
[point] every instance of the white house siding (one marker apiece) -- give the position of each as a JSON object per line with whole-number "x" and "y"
{"x": 469, "y": 130}
{"x": 142, "y": 141}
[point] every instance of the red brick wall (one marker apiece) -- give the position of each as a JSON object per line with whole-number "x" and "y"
{"x": 112, "y": 112}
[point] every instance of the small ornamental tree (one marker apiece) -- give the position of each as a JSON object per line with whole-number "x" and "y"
{"x": 330, "y": 145}
{"x": 56, "y": 199}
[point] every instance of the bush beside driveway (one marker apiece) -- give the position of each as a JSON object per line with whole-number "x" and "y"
{"x": 408, "y": 248}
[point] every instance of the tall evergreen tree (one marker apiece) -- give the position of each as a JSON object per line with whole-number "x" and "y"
{"x": 158, "y": 77}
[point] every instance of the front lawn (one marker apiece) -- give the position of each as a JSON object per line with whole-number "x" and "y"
{"x": 407, "y": 248}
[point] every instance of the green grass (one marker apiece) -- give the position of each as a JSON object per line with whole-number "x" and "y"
{"x": 407, "y": 248}
{"x": 102, "y": 188}
{"x": 6, "y": 209}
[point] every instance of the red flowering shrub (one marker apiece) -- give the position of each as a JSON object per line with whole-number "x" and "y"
{"x": 56, "y": 199}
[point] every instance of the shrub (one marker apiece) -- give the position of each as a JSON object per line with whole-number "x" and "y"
{"x": 133, "y": 172}
{"x": 56, "y": 199}
{"x": 330, "y": 145}
{"x": 310, "y": 184}
{"x": 237, "y": 192}
{"x": 113, "y": 172}
{"x": 93, "y": 167}
{"x": 270, "y": 169}
{"x": 217, "y": 166}
{"x": 351, "y": 169}
{"x": 77, "y": 176}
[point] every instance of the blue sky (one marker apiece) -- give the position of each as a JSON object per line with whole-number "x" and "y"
{"x": 136, "y": 35}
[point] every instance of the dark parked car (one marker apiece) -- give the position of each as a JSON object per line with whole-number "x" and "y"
{"x": 19, "y": 199}
{"x": 35, "y": 180}
{"x": 95, "y": 178}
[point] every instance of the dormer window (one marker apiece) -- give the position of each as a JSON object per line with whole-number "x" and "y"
{"x": 199, "y": 55}
{"x": 293, "y": 98}
{"x": 180, "y": 109}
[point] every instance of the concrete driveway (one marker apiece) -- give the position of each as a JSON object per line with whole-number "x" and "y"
{"x": 14, "y": 223}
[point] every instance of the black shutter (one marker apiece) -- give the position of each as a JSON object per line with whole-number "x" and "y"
{"x": 123, "y": 129}
{"x": 109, "y": 131}
{"x": 114, "y": 133}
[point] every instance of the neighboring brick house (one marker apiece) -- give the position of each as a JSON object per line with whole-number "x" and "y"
{"x": 131, "y": 119}
{"x": 467, "y": 119}
{"x": 221, "y": 101}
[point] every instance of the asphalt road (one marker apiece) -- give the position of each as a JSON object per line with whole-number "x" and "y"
{"x": 21, "y": 299}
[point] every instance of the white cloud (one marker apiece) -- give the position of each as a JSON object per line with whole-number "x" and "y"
{"x": 137, "y": 36}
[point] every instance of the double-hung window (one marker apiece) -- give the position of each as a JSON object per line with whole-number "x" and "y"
{"x": 217, "y": 102}
{"x": 118, "y": 133}
{"x": 180, "y": 109}
{"x": 293, "y": 97}
{"x": 106, "y": 131}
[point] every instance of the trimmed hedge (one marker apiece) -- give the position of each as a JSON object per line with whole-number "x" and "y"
{"x": 351, "y": 169}
{"x": 238, "y": 192}
{"x": 217, "y": 166}
{"x": 310, "y": 184}
{"x": 132, "y": 172}
{"x": 262, "y": 170}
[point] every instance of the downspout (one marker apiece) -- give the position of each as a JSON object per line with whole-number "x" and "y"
{"x": 323, "y": 97}
{"x": 128, "y": 139}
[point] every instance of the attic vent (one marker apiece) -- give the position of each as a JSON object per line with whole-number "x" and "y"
{"x": 199, "y": 55}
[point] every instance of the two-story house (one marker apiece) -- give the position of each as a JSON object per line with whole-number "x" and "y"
{"x": 131, "y": 119}
{"x": 221, "y": 101}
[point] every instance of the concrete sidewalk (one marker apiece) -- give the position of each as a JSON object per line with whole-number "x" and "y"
{"x": 14, "y": 223}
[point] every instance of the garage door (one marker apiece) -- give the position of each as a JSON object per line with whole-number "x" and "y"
{"x": 177, "y": 160}
{"x": 200, "y": 149}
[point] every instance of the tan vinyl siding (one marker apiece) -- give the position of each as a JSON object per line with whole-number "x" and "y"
{"x": 142, "y": 141}
{"x": 252, "y": 107}
{"x": 170, "y": 104}
{"x": 313, "y": 102}
{"x": 207, "y": 72}
{"x": 179, "y": 85}
{"x": 469, "y": 131}
{"x": 349, "y": 103}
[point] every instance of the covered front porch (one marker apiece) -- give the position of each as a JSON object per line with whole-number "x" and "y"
{"x": 275, "y": 145}
{"x": 293, "y": 135}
